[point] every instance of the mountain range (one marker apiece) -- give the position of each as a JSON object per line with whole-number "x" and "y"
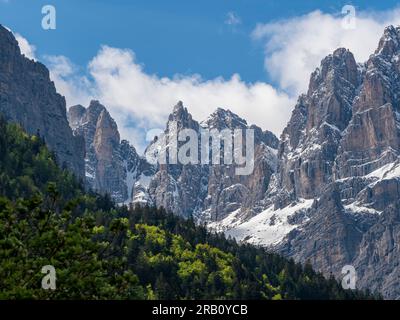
{"x": 325, "y": 192}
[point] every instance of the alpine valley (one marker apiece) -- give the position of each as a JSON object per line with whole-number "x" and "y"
{"x": 325, "y": 193}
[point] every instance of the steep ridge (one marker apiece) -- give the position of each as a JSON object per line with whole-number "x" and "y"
{"x": 29, "y": 98}
{"x": 176, "y": 187}
{"x": 333, "y": 200}
{"x": 111, "y": 166}
{"x": 350, "y": 224}
{"x": 310, "y": 141}
{"x": 210, "y": 191}
{"x": 372, "y": 137}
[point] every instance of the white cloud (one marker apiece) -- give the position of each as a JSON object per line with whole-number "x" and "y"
{"x": 295, "y": 47}
{"x": 68, "y": 79}
{"x": 133, "y": 96}
{"x": 232, "y": 19}
{"x": 26, "y": 48}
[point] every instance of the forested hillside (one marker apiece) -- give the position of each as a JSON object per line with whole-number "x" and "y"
{"x": 102, "y": 251}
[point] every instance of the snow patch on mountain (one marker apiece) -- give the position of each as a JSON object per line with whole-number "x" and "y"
{"x": 386, "y": 172}
{"x": 266, "y": 229}
{"x": 357, "y": 207}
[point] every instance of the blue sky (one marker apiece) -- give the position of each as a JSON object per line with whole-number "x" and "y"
{"x": 140, "y": 57}
{"x": 168, "y": 37}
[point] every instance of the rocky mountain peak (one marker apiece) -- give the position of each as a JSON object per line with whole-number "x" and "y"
{"x": 372, "y": 138}
{"x": 312, "y": 137}
{"x": 389, "y": 44}
{"x": 341, "y": 149}
{"x": 111, "y": 166}
{"x": 95, "y": 106}
{"x": 94, "y": 110}
{"x": 75, "y": 115}
{"x": 29, "y": 97}
{"x": 224, "y": 119}
{"x": 381, "y": 82}
{"x": 336, "y": 69}
{"x": 82, "y": 118}
{"x": 331, "y": 91}
{"x": 179, "y": 112}
{"x": 179, "y": 107}
{"x": 9, "y": 44}
{"x": 182, "y": 117}
{"x": 209, "y": 192}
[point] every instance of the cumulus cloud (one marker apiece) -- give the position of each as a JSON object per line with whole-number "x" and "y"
{"x": 69, "y": 80}
{"x": 294, "y": 47}
{"x": 140, "y": 101}
{"x": 26, "y": 48}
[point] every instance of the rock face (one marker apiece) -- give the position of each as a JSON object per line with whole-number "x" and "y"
{"x": 329, "y": 239}
{"x": 351, "y": 169}
{"x": 333, "y": 200}
{"x": 176, "y": 187}
{"x": 29, "y": 97}
{"x": 208, "y": 191}
{"x": 111, "y": 166}
{"x": 229, "y": 192}
{"x": 377, "y": 262}
{"x": 311, "y": 139}
{"x": 372, "y": 138}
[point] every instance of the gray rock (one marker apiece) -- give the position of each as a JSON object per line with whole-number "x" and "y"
{"x": 210, "y": 192}
{"x": 111, "y": 166}
{"x": 309, "y": 142}
{"x": 351, "y": 168}
{"x": 29, "y": 98}
{"x": 328, "y": 240}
